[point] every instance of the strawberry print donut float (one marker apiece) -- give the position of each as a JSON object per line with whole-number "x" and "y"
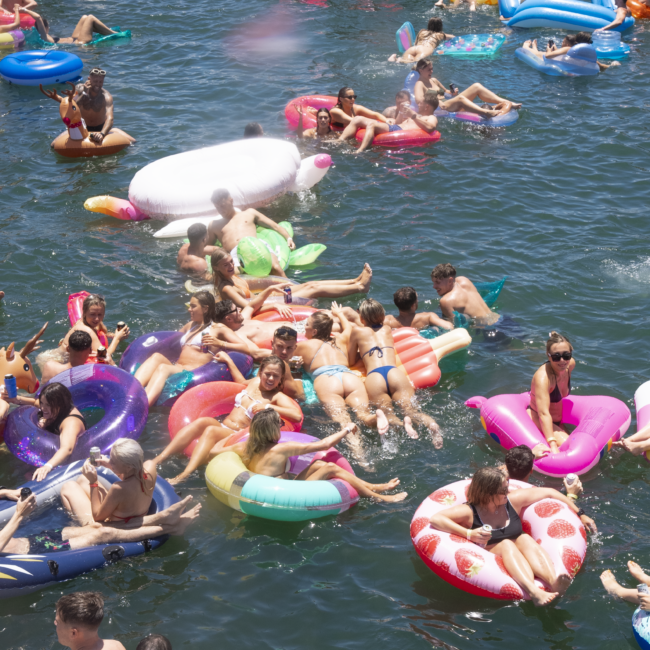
{"x": 475, "y": 570}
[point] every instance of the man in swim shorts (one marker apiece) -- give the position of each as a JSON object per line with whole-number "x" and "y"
{"x": 79, "y": 348}
{"x": 400, "y": 97}
{"x": 423, "y": 119}
{"x": 406, "y": 301}
{"x": 459, "y": 294}
{"x": 77, "y": 621}
{"x": 235, "y": 224}
{"x": 191, "y": 257}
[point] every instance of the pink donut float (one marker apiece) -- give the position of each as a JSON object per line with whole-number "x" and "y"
{"x": 211, "y": 400}
{"x": 471, "y": 568}
{"x": 600, "y": 421}
{"x": 405, "y": 138}
{"x": 7, "y": 18}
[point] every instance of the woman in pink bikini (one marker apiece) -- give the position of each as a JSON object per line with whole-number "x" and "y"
{"x": 130, "y": 498}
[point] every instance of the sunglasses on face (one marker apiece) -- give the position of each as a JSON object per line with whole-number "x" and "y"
{"x": 556, "y": 356}
{"x": 286, "y": 331}
{"x": 350, "y": 97}
{"x": 98, "y": 71}
{"x": 234, "y": 311}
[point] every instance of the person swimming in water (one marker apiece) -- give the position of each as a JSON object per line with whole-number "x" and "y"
{"x": 406, "y": 301}
{"x": 322, "y": 130}
{"x": 550, "y": 385}
{"x": 263, "y": 455}
{"x": 426, "y": 42}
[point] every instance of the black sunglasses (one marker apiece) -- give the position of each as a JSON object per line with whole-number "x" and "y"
{"x": 350, "y": 96}
{"x": 286, "y": 331}
{"x": 233, "y": 311}
{"x": 556, "y": 356}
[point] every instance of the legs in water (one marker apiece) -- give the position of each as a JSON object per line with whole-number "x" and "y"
{"x": 615, "y": 589}
{"x": 335, "y": 288}
{"x": 636, "y": 444}
{"x": 88, "y": 25}
{"x": 157, "y": 382}
{"x": 144, "y": 373}
{"x": 184, "y": 437}
{"x": 321, "y": 471}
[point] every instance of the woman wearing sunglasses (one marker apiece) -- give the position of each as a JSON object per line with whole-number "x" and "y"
{"x": 551, "y": 383}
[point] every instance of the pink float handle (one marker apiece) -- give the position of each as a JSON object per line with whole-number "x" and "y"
{"x": 75, "y": 306}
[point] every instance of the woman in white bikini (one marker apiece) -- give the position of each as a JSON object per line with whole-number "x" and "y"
{"x": 261, "y": 392}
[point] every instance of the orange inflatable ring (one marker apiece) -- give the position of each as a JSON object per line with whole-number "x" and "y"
{"x": 212, "y": 400}
{"x": 638, "y": 9}
{"x": 115, "y": 141}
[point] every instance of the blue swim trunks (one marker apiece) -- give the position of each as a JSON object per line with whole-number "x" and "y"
{"x": 394, "y": 127}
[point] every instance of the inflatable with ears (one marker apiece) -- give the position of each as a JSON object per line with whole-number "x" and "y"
{"x": 18, "y": 365}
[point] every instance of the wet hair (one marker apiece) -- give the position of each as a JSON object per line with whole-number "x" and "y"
{"x": 59, "y": 399}
{"x": 372, "y": 311}
{"x": 222, "y": 309}
{"x": 264, "y": 430}
{"x": 443, "y": 271}
{"x": 405, "y": 298}
{"x": 341, "y": 93}
{"x": 272, "y": 360}
{"x": 196, "y": 232}
{"x": 93, "y": 300}
{"x": 85, "y": 608}
{"x": 570, "y": 39}
{"x": 435, "y": 25}
{"x": 253, "y": 130}
{"x": 583, "y": 37}
{"x": 421, "y": 64}
{"x": 220, "y": 195}
{"x": 128, "y": 453}
{"x": 154, "y": 642}
{"x": 287, "y": 334}
{"x": 519, "y": 461}
{"x": 431, "y": 98}
{"x": 486, "y": 483}
{"x": 323, "y": 324}
{"x": 206, "y": 299}
{"x": 80, "y": 341}
{"x": 555, "y": 337}
{"x": 403, "y": 93}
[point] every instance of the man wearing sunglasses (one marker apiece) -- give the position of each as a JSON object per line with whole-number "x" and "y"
{"x": 96, "y": 105}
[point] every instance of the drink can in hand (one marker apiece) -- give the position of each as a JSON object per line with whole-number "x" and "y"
{"x": 571, "y": 478}
{"x": 204, "y": 347}
{"x": 121, "y": 325}
{"x": 10, "y": 385}
{"x": 101, "y": 354}
{"x": 25, "y": 493}
{"x": 643, "y": 589}
{"x": 486, "y": 528}
{"x": 95, "y": 455}
{"x": 287, "y": 296}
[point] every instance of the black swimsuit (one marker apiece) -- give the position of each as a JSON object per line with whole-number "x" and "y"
{"x": 511, "y": 530}
{"x": 55, "y": 427}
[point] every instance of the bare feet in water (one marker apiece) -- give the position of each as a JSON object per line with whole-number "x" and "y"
{"x": 185, "y": 520}
{"x": 638, "y": 573}
{"x": 436, "y": 436}
{"x": 382, "y": 423}
{"x": 541, "y": 597}
{"x": 410, "y": 431}
{"x": 611, "y": 586}
{"x": 366, "y": 277}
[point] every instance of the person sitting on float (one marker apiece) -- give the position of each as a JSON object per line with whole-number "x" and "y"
{"x": 227, "y": 285}
{"x": 199, "y": 332}
{"x": 551, "y": 383}
{"x": 191, "y": 256}
{"x": 59, "y": 416}
{"x": 92, "y": 322}
{"x": 489, "y": 502}
{"x": 406, "y": 301}
{"x": 79, "y": 349}
{"x": 426, "y": 42}
{"x": 323, "y": 128}
{"x": 83, "y": 33}
{"x": 460, "y": 101}
{"x": 262, "y": 454}
{"x": 424, "y": 119}
{"x": 569, "y": 41}
{"x": 129, "y": 498}
{"x": 262, "y": 392}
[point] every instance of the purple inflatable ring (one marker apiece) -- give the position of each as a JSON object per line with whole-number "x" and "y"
{"x": 92, "y": 385}
{"x": 169, "y": 345}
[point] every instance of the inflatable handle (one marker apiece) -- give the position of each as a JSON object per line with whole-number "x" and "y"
{"x": 75, "y": 306}
{"x": 475, "y": 402}
{"x": 507, "y": 8}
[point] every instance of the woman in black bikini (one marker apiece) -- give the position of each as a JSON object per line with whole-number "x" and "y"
{"x": 488, "y": 502}
{"x": 323, "y": 128}
{"x": 551, "y": 383}
{"x": 83, "y": 33}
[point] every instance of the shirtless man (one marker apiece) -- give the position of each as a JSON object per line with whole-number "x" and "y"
{"x": 235, "y": 225}
{"x": 424, "y": 119}
{"x": 96, "y": 105}
{"x": 9, "y": 6}
{"x": 191, "y": 257}
{"x": 459, "y": 294}
{"x": 385, "y": 383}
{"x": 79, "y": 348}
{"x": 406, "y": 301}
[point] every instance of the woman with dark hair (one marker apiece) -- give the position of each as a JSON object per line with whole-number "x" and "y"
{"x": 323, "y": 128}
{"x": 551, "y": 383}
{"x": 488, "y": 502}
{"x": 261, "y": 392}
{"x": 197, "y": 334}
{"x": 59, "y": 416}
{"x": 426, "y": 42}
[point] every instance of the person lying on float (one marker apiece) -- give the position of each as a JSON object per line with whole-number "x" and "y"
{"x": 460, "y": 101}
{"x": 191, "y": 256}
{"x": 235, "y": 225}
{"x": 227, "y": 285}
{"x": 569, "y": 41}
{"x": 386, "y": 384}
{"x": 406, "y": 301}
{"x": 426, "y": 42}
{"x": 83, "y": 33}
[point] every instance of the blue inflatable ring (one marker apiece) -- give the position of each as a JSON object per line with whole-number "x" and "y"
{"x": 24, "y": 574}
{"x": 92, "y": 385}
{"x": 39, "y": 67}
{"x": 641, "y": 628}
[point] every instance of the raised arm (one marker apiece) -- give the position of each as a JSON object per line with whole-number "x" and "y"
{"x": 40, "y": 26}
{"x": 120, "y": 335}
{"x": 237, "y": 377}
{"x": 297, "y": 449}
{"x": 621, "y": 14}
{"x": 70, "y": 430}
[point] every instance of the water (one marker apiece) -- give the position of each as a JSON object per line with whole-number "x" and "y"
{"x": 557, "y": 202}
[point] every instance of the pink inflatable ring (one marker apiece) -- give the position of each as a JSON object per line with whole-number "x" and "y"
{"x": 600, "y": 421}
{"x": 471, "y": 568}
